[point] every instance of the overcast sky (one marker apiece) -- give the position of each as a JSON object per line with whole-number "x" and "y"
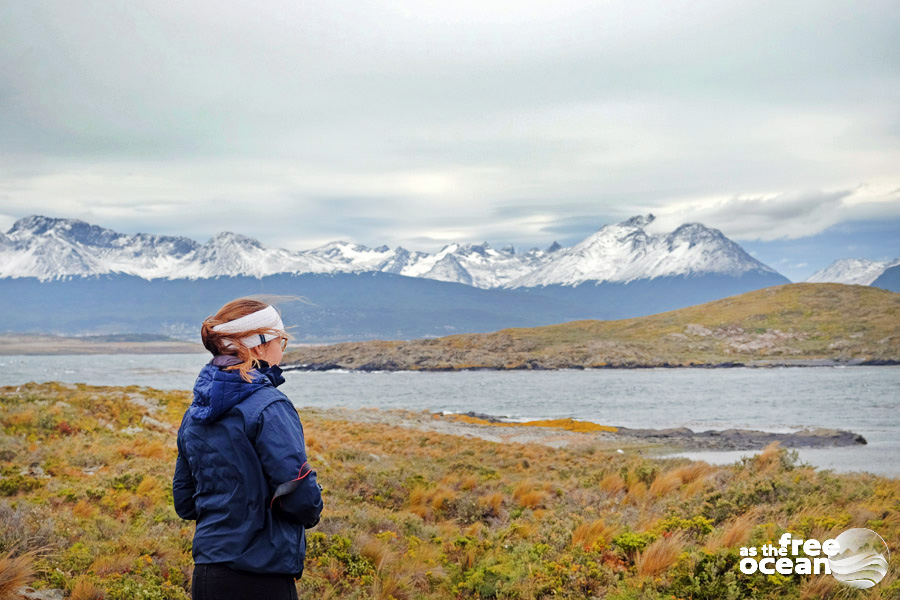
{"x": 421, "y": 122}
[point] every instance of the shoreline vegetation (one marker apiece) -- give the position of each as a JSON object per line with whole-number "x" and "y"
{"x": 419, "y": 505}
{"x": 802, "y": 324}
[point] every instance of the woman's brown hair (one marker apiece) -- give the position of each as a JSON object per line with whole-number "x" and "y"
{"x": 215, "y": 341}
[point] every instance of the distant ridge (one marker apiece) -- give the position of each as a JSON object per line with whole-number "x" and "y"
{"x": 801, "y": 324}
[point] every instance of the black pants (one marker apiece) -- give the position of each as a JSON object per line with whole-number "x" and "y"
{"x": 218, "y": 582}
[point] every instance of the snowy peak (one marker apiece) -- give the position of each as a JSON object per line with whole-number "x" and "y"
{"x": 71, "y": 230}
{"x": 853, "y": 271}
{"x": 639, "y": 221}
{"x": 228, "y": 239}
{"x": 624, "y": 252}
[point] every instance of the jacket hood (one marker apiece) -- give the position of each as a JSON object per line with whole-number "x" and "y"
{"x": 217, "y": 391}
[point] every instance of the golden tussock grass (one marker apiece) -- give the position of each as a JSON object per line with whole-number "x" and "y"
{"x": 694, "y": 488}
{"x": 469, "y": 482}
{"x": 665, "y": 483}
{"x": 734, "y": 534}
{"x": 612, "y": 484}
{"x": 532, "y": 499}
{"x": 529, "y": 494}
{"x": 450, "y": 480}
{"x": 493, "y": 502}
{"x": 693, "y": 472}
{"x": 419, "y": 496}
{"x": 637, "y": 492}
{"x": 15, "y": 572}
{"x": 659, "y": 555}
{"x": 148, "y": 485}
{"x": 85, "y": 589}
{"x": 83, "y": 509}
{"x": 391, "y": 587}
{"x": 588, "y": 535}
{"x": 769, "y": 457}
{"x": 24, "y": 419}
{"x": 120, "y": 562}
{"x": 442, "y": 499}
{"x": 376, "y": 551}
{"x": 818, "y": 588}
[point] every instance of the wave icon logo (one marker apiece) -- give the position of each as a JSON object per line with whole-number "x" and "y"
{"x": 862, "y": 560}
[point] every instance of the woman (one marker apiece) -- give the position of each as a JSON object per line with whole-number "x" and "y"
{"x": 241, "y": 471}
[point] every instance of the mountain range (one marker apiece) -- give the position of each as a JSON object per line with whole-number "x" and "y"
{"x": 69, "y": 277}
{"x": 48, "y": 248}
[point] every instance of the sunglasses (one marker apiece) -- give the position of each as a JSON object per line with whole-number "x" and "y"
{"x": 283, "y": 344}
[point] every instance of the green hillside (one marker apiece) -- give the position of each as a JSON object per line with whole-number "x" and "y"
{"x": 802, "y": 322}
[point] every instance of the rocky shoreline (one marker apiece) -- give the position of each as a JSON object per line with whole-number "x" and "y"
{"x": 536, "y": 366}
{"x": 745, "y": 439}
{"x": 497, "y": 429}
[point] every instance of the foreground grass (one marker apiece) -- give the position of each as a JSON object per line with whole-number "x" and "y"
{"x": 86, "y": 474}
{"x": 802, "y": 321}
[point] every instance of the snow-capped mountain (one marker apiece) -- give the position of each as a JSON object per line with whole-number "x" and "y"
{"x": 478, "y": 265}
{"x": 625, "y": 252}
{"x": 47, "y": 248}
{"x": 859, "y": 271}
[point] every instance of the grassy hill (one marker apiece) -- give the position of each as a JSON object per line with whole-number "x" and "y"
{"x": 797, "y": 322}
{"x": 86, "y": 502}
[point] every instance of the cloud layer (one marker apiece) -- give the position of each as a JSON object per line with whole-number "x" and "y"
{"x": 418, "y": 123}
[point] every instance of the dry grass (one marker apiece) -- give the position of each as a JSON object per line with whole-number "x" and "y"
{"x": 659, "y": 555}
{"x": 469, "y": 482}
{"x": 693, "y": 472}
{"x": 15, "y": 572}
{"x": 493, "y": 502}
{"x": 768, "y": 458}
{"x": 85, "y": 589}
{"x": 819, "y": 588}
{"x": 589, "y": 535}
{"x": 120, "y": 562}
{"x": 734, "y": 535}
{"x": 530, "y": 494}
{"x": 637, "y": 493}
{"x": 391, "y": 587}
{"x": 665, "y": 483}
{"x": 377, "y": 551}
{"x": 612, "y": 484}
{"x": 83, "y": 509}
{"x": 442, "y": 499}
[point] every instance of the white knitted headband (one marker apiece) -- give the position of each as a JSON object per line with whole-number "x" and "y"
{"x": 267, "y": 318}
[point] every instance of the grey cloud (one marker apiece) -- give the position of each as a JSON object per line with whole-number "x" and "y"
{"x": 568, "y": 111}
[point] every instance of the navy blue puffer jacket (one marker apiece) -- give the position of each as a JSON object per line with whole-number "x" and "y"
{"x": 242, "y": 473}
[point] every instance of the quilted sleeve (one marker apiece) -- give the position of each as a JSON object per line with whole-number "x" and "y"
{"x": 295, "y": 494}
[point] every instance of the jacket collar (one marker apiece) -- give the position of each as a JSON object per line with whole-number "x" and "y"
{"x": 217, "y": 391}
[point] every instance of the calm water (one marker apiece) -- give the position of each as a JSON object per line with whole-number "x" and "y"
{"x": 862, "y": 399}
